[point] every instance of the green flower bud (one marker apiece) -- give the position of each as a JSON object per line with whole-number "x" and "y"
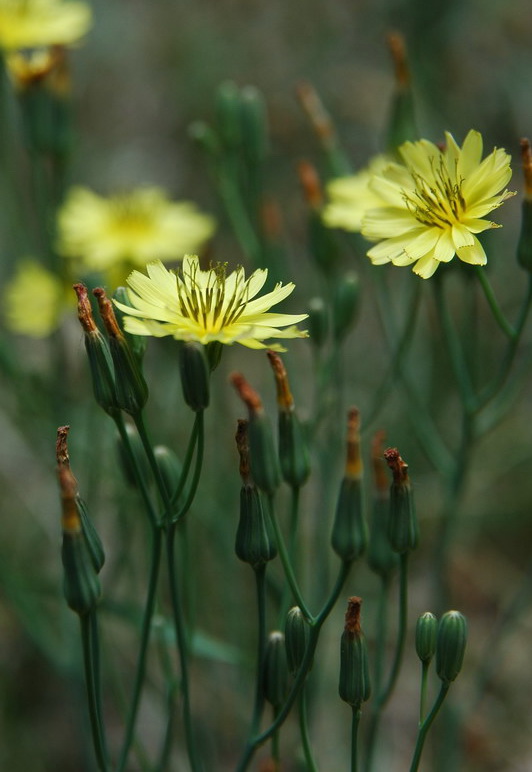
{"x": 349, "y": 533}
{"x": 170, "y": 468}
{"x": 94, "y": 543}
{"x": 450, "y": 645}
{"x": 381, "y": 558}
{"x": 133, "y": 457}
{"x": 323, "y": 243}
{"x": 228, "y": 114}
{"x": 345, "y": 305}
{"x": 354, "y": 683}
{"x": 318, "y": 322}
{"x": 297, "y": 636}
{"x": 205, "y": 137}
{"x": 275, "y": 674}
{"x": 403, "y": 529}
{"x": 255, "y": 541}
{"x": 254, "y": 125}
{"x": 402, "y": 121}
{"x": 426, "y": 632}
{"x": 194, "y": 370}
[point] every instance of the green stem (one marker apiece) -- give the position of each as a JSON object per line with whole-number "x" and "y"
{"x": 425, "y": 726}
{"x": 90, "y": 662}
{"x": 425, "y": 665}
{"x": 198, "y": 431}
{"x": 287, "y": 565}
{"x": 139, "y": 480}
{"x": 355, "y": 722}
{"x": 386, "y": 693}
{"x": 148, "y": 449}
{"x": 144, "y": 641}
{"x": 294, "y": 517}
{"x": 303, "y": 730}
{"x": 260, "y": 582}
{"x": 188, "y": 461}
{"x": 380, "y": 634}
{"x": 498, "y": 315}
{"x": 276, "y": 748}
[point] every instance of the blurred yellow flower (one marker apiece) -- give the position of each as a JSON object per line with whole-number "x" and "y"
{"x": 349, "y": 198}
{"x": 130, "y": 229}
{"x": 41, "y": 23}
{"x": 33, "y": 300}
{"x": 435, "y": 202}
{"x": 207, "y": 306}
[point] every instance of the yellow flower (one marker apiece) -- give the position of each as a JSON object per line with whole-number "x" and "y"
{"x": 351, "y": 197}
{"x": 41, "y": 23}
{"x": 207, "y": 306}
{"x": 130, "y": 229}
{"x": 435, "y": 202}
{"x": 33, "y": 300}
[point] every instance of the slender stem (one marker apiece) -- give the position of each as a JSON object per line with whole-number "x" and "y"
{"x": 149, "y": 608}
{"x": 148, "y": 449}
{"x": 287, "y": 565}
{"x": 386, "y": 693}
{"x": 294, "y": 517}
{"x": 380, "y": 635}
{"x": 188, "y": 458}
{"x": 260, "y": 582}
{"x": 276, "y": 748}
{"x": 425, "y": 665}
{"x": 303, "y": 729}
{"x": 139, "y": 479}
{"x": 90, "y": 662}
{"x": 200, "y": 439}
{"x": 498, "y": 315}
{"x": 355, "y": 722}
{"x": 425, "y": 726}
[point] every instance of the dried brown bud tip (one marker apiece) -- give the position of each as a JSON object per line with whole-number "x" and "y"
{"x": 313, "y": 106}
{"x": 310, "y": 183}
{"x": 284, "y": 395}
{"x": 248, "y": 395}
{"x": 353, "y": 463}
{"x": 68, "y": 486}
{"x": 380, "y": 479}
{"x": 352, "y": 616}
{"x": 271, "y": 219}
{"x": 84, "y": 309}
{"x": 397, "y": 465}
{"x": 107, "y": 313}
{"x": 526, "y": 158}
{"x": 396, "y": 44}
{"x": 242, "y": 446}
{"x": 61, "y": 449}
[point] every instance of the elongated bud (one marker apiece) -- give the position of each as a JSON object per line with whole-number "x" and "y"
{"x": 318, "y": 322}
{"x": 426, "y": 632}
{"x": 131, "y": 388}
{"x": 98, "y": 354}
{"x": 255, "y": 541}
{"x": 170, "y": 467}
{"x": 133, "y": 458}
{"x": 297, "y": 636}
{"x": 137, "y": 343}
{"x": 94, "y": 543}
{"x": 264, "y": 463}
{"x": 403, "y": 529}
{"x": 276, "y": 674}
{"x": 293, "y": 449}
{"x": 524, "y": 245}
{"x": 228, "y": 114}
{"x": 349, "y": 534}
{"x": 345, "y": 305}
{"x": 402, "y": 121}
{"x": 81, "y": 586}
{"x": 323, "y": 127}
{"x": 450, "y": 645}
{"x": 381, "y": 557}
{"x": 310, "y": 184}
{"x": 254, "y": 125}
{"x": 194, "y": 370}
{"x": 354, "y": 684}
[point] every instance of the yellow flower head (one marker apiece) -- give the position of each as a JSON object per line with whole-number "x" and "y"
{"x": 351, "y": 197}
{"x": 435, "y": 202}
{"x": 41, "y": 23}
{"x": 33, "y": 300}
{"x": 207, "y": 306}
{"x": 129, "y": 230}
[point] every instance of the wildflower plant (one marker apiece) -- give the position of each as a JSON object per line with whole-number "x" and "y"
{"x": 209, "y": 581}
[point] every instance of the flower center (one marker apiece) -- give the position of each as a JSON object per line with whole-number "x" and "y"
{"x": 209, "y": 304}
{"x": 131, "y": 215}
{"x": 438, "y": 201}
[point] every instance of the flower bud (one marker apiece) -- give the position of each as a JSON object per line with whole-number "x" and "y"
{"x": 402, "y": 121}
{"x": 450, "y": 645}
{"x": 426, "y": 632}
{"x": 254, "y": 125}
{"x": 228, "y": 114}
{"x": 296, "y": 636}
{"x": 318, "y": 322}
{"x": 275, "y": 674}
{"x": 381, "y": 557}
{"x": 94, "y": 543}
{"x": 131, "y": 388}
{"x": 264, "y": 460}
{"x": 345, "y": 305}
{"x": 349, "y": 533}
{"x": 354, "y": 684}
{"x": 524, "y": 245}
{"x": 194, "y": 370}
{"x": 403, "y": 529}
{"x": 170, "y": 468}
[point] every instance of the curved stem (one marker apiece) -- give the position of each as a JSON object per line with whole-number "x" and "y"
{"x": 90, "y": 663}
{"x": 303, "y": 729}
{"x": 188, "y": 459}
{"x": 425, "y": 726}
{"x": 498, "y": 315}
{"x": 200, "y": 440}
{"x": 144, "y": 640}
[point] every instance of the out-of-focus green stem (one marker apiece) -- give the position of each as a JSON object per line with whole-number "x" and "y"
{"x": 303, "y": 730}
{"x": 260, "y": 582}
{"x": 498, "y": 315}
{"x": 90, "y": 662}
{"x": 292, "y": 543}
{"x": 355, "y": 722}
{"x": 425, "y": 665}
{"x": 425, "y": 726}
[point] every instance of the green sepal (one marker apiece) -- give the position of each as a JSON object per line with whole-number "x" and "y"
{"x": 194, "y": 371}
{"x": 228, "y": 114}
{"x": 318, "y": 322}
{"x": 255, "y": 541}
{"x": 131, "y": 388}
{"x": 102, "y": 371}
{"x": 293, "y": 449}
{"x": 296, "y": 636}
{"x": 275, "y": 674}
{"x": 81, "y": 585}
{"x": 170, "y": 468}
{"x": 450, "y": 645}
{"x": 94, "y": 543}
{"x": 349, "y": 533}
{"x": 254, "y": 122}
{"x": 402, "y": 525}
{"x": 354, "y": 685}
{"x": 137, "y": 460}
{"x": 263, "y": 456}
{"x": 345, "y": 305}
{"x": 426, "y": 634}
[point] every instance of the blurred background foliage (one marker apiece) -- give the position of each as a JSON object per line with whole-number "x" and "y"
{"x": 146, "y": 71}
